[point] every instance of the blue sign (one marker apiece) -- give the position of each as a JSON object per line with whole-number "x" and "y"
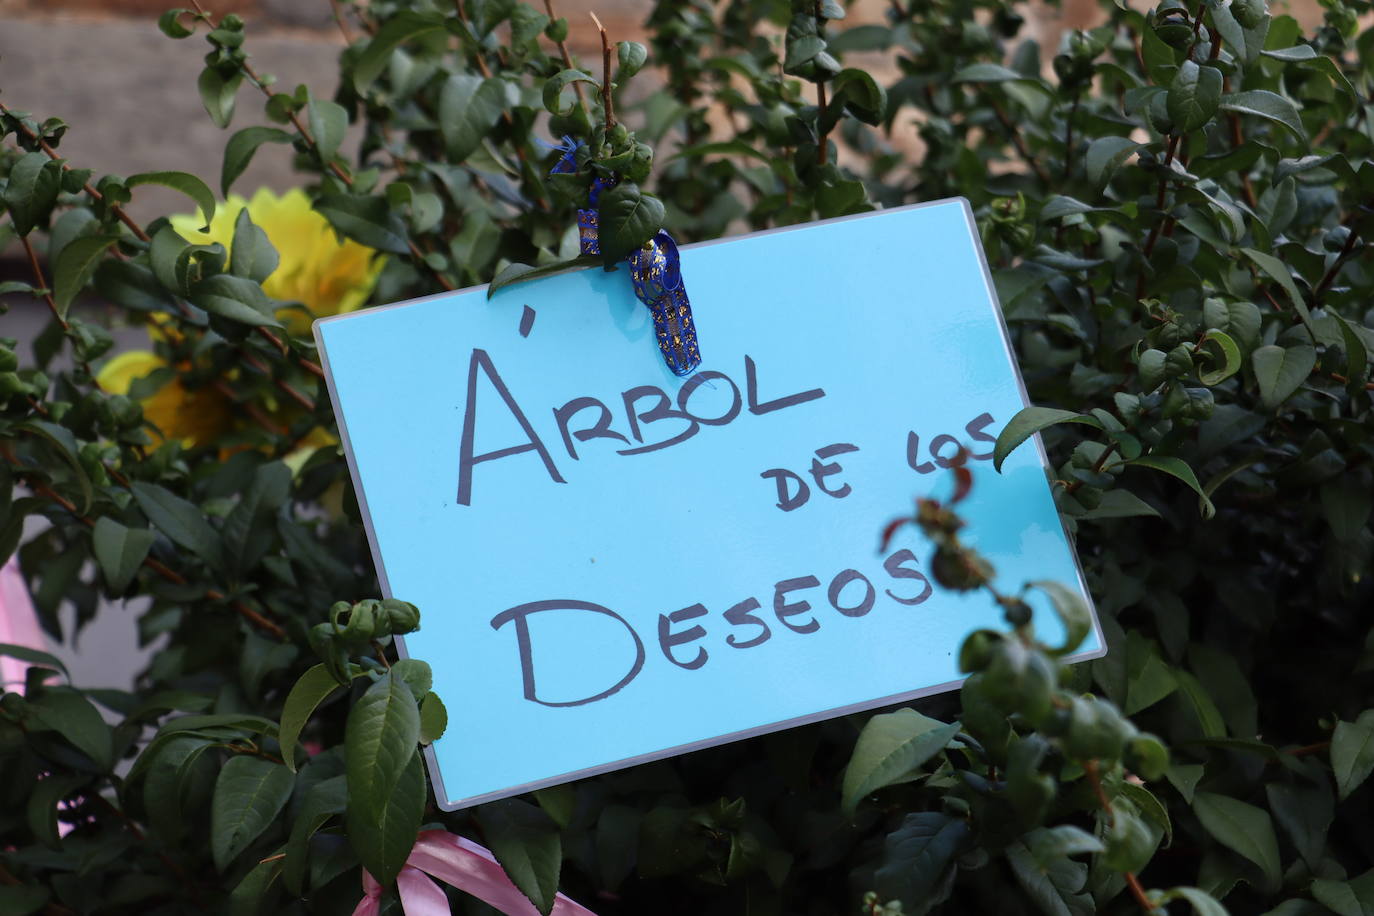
{"x": 614, "y": 564}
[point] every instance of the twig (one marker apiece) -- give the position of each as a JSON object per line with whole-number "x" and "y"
{"x": 339, "y": 21}
{"x": 607, "y": 100}
{"x": 563, "y": 50}
{"x": 1068, "y": 137}
{"x": 1095, "y": 780}
{"x": 1018, "y": 143}
{"x": 252, "y": 616}
{"x": 1159, "y": 205}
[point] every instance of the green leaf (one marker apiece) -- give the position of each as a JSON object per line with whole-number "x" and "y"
{"x": 1072, "y": 611}
{"x": 1352, "y": 753}
{"x": 433, "y": 718}
{"x": 249, "y": 794}
{"x": 328, "y": 121}
{"x": 1215, "y": 343}
{"x": 1280, "y": 371}
{"x": 380, "y": 737}
{"x": 1280, "y": 273}
{"x": 468, "y": 108}
{"x": 554, "y": 100}
{"x": 181, "y": 521}
{"x": 252, "y": 255}
{"x": 858, "y": 93}
{"x": 917, "y": 856}
{"x": 42, "y": 807}
{"x": 402, "y": 27}
{"x": 184, "y": 182}
{"x": 217, "y": 94}
{"x": 1209, "y": 719}
{"x": 1129, "y": 840}
{"x": 324, "y": 800}
{"x": 631, "y": 56}
{"x": 1179, "y": 468}
{"x": 305, "y": 697}
{"x": 627, "y": 219}
{"x": 241, "y": 148}
{"x": 1029, "y": 421}
{"x": 22, "y": 899}
{"x": 1268, "y": 105}
{"x": 383, "y": 830}
{"x": 1057, "y": 886}
{"x": 526, "y": 842}
{"x": 74, "y": 266}
{"x": 1105, "y": 155}
{"x": 1119, "y": 503}
{"x": 1203, "y": 903}
{"x": 250, "y": 896}
{"x": 1305, "y": 814}
{"x": 1293, "y": 54}
{"x": 1243, "y": 828}
{"x": 34, "y": 657}
{"x": 61, "y": 439}
{"x": 235, "y": 298}
{"x": 1347, "y": 898}
{"x": 365, "y": 219}
{"x": 31, "y": 191}
{"x": 889, "y": 748}
{"x": 120, "y": 551}
{"x": 1193, "y": 96}
{"x": 71, "y": 715}
{"x": 988, "y": 73}
{"x": 169, "y": 23}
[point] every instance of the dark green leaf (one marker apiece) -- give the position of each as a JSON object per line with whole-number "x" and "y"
{"x": 1352, "y": 753}
{"x": 252, "y": 255}
{"x": 383, "y": 829}
{"x": 366, "y": 220}
{"x": 120, "y": 551}
{"x": 34, "y": 181}
{"x": 468, "y": 107}
{"x": 554, "y": 100}
{"x": 217, "y": 94}
{"x": 71, "y": 715}
{"x": 328, "y": 121}
{"x": 181, "y": 521}
{"x": 34, "y": 657}
{"x": 1029, "y": 421}
{"x": 527, "y": 844}
{"x": 917, "y": 856}
{"x": 249, "y": 793}
{"x": 433, "y": 718}
{"x": 240, "y": 149}
{"x": 305, "y": 697}
{"x": 1179, "y": 468}
{"x": 74, "y": 266}
{"x": 1242, "y": 828}
{"x": 1280, "y": 371}
{"x": 1193, "y": 96}
{"x": 382, "y": 732}
{"x": 324, "y": 800}
{"x": 184, "y": 182}
{"x": 889, "y": 748}
{"x": 400, "y": 28}
{"x": 627, "y": 219}
{"x": 1268, "y": 105}
{"x": 61, "y": 439}
{"x": 631, "y": 56}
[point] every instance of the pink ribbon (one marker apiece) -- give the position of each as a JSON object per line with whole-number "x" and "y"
{"x": 18, "y": 625}
{"x": 465, "y": 865}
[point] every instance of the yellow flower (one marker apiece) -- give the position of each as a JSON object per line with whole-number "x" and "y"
{"x": 194, "y": 416}
{"x": 315, "y": 269}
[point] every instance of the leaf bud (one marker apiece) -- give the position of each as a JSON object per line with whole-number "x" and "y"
{"x": 9, "y": 361}
{"x": 976, "y": 651}
{"x": 403, "y": 617}
{"x": 1147, "y": 756}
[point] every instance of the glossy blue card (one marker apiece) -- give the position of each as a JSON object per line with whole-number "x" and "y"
{"x": 614, "y": 564}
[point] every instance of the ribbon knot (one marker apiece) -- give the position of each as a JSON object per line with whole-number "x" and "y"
{"x": 655, "y": 272}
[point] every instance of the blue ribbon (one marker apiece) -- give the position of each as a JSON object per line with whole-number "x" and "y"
{"x": 655, "y": 272}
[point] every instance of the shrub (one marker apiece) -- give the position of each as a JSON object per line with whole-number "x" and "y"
{"x": 1173, "y": 216}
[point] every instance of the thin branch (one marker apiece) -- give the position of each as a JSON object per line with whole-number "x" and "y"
{"x": 563, "y": 50}
{"x": 607, "y": 99}
{"x": 1019, "y": 143}
{"x": 1158, "y": 227}
{"x": 1095, "y": 780}
{"x": 339, "y": 21}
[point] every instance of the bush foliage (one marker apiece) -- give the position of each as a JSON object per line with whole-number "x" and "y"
{"x": 1172, "y": 205}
